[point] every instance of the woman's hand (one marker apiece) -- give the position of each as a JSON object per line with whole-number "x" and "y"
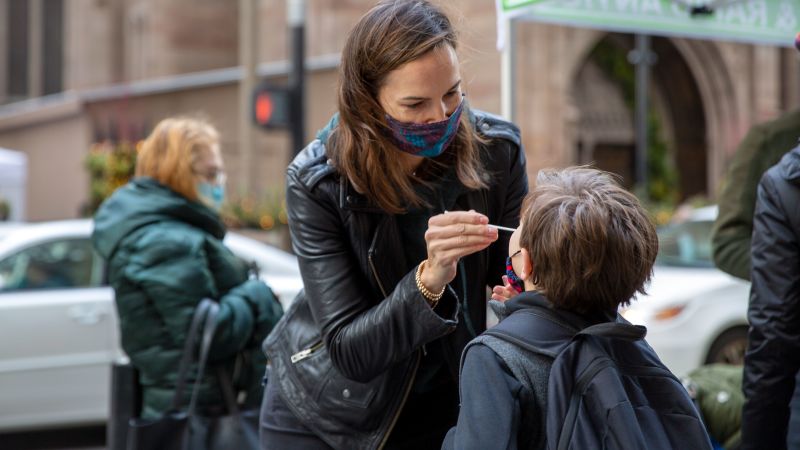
{"x": 504, "y": 292}
{"x": 450, "y": 237}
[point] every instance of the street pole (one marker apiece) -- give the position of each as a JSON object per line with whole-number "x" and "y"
{"x": 248, "y": 57}
{"x": 643, "y": 58}
{"x": 296, "y": 18}
{"x": 508, "y": 72}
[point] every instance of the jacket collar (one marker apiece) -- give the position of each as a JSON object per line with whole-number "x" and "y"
{"x": 790, "y": 166}
{"x": 535, "y": 299}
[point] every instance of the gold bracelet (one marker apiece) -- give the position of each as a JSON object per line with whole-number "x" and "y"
{"x": 432, "y": 298}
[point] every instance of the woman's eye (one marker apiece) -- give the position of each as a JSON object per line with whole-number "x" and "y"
{"x": 414, "y": 105}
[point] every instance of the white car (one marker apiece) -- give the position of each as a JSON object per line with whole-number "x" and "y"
{"x": 694, "y": 313}
{"x": 58, "y": 322}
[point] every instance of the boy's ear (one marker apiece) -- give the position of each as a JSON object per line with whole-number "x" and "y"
{"x": 527, "y": 265}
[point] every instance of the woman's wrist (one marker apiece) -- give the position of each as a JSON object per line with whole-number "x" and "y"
{"x": 430, "y": 290}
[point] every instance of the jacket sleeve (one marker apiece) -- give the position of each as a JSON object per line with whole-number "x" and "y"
{"x": 173, "y": 273}
{"x": 363, "y": 335}
{"x": 773, "y": 354}
{"x": 490, "y": 413}
{"x": 730, "y": 237}
{"x": 516, "y": 190}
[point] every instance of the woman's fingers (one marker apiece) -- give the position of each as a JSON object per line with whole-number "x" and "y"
{"x": 503, "y": 293}
{"x": 460, "y": 242}
{"x": 459, "y": 229}
{"x": 452, "y": 236}
{"x": 456, "y": 217}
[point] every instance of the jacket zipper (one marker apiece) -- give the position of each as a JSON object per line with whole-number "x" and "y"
{"x": 375, "y": 273}
{"x": 303, "y": 354}
{"x": 410, "y": 383}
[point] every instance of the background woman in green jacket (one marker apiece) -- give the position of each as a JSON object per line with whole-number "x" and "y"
{"x": 161, "y": 235}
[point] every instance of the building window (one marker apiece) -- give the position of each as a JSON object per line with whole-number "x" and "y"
{"x": 18, "y": 49}
{"x": 53, "y": 43}
{"x": 32, "y": 71}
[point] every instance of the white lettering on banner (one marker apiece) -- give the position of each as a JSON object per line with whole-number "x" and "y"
{"x": 628, "y": 6}
{"x": 733, "y": 14}
{"x": 651, "y": 6}
{"x": 787, "y": 20}
{"x": 759, "y": 13}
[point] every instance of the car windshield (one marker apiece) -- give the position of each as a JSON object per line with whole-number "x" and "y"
{"x": 686, "y": 244}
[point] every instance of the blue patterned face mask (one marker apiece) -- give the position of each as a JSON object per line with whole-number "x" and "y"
{"x": 513, "y": 279}
{"x": 213, "y": 194}
{"x": 425, "y": 139}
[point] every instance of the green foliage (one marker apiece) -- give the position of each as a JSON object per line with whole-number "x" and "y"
{"x": 662, "y": 188}
{"x": 110, "y": 166}
{"x": 267, "y": 211}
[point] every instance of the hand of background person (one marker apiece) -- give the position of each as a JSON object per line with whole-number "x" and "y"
{"x": 451, "y": 236}
{"x": 504, "y": 292}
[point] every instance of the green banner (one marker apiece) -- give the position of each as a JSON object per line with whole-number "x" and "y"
{"x": 758, "y": 21}
{"x": 511, "y": 4}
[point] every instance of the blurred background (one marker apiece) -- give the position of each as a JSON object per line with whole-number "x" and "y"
{"x": 82, "y": 81}
{"x": 660, "y": 92}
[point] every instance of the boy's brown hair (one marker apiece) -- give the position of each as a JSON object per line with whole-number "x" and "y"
{"x": 591, "y": 242}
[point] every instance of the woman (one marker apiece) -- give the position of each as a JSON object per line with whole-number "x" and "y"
{"x": 161, "y": 235}
{"x": 395, "y": 286}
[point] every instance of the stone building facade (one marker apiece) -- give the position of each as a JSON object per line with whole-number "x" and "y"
{"x": 122, "y": 65}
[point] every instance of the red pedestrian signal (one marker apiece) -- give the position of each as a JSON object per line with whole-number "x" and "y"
{"x": 271, "y": 106}
{"x": 263, "y": 108}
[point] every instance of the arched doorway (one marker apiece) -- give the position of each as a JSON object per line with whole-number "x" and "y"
{"x": 603, "y": 90}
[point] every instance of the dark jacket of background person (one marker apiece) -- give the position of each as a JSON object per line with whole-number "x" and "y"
{"x": 165, "y": 254}
{"x": 361, "y": 316}
{"x": 773, "y": 354}
{"x": 761, "y": 149}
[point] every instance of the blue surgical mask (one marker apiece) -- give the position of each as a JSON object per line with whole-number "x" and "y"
{"x": 425, "y": 139}
{"x": 213, "y": 194}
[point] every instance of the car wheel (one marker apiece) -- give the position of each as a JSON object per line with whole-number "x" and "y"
{"x": 729, "y": 347}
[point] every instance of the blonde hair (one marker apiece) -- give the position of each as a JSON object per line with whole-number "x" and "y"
{"x": 169, "y": 153}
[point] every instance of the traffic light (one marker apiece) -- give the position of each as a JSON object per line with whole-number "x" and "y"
{"x": 271, "y": 106}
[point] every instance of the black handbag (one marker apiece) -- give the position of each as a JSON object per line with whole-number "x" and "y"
{"x": 186, "y": 429}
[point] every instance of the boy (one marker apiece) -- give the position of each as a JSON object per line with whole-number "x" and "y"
{"x": 585, "y": 247}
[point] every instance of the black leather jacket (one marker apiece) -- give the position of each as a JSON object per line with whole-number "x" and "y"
{"x": 346, "y": 352}
{"x": 773, "y": 350}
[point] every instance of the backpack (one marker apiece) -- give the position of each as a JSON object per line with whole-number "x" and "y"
{"x": 607, "y": 388}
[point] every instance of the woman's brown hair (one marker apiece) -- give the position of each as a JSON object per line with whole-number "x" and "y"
{"x": 591, "y": 242}
{"x": 391, "y": 34}
{"x": 169, "y": 153}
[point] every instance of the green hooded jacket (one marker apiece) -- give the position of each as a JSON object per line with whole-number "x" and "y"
{"x": 761, "y": 149}
{"x": 165, "y": 254}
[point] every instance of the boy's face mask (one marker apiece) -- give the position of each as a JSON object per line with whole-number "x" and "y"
{"x": 513, "y": 279}
{"x": 425, "y": 139}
